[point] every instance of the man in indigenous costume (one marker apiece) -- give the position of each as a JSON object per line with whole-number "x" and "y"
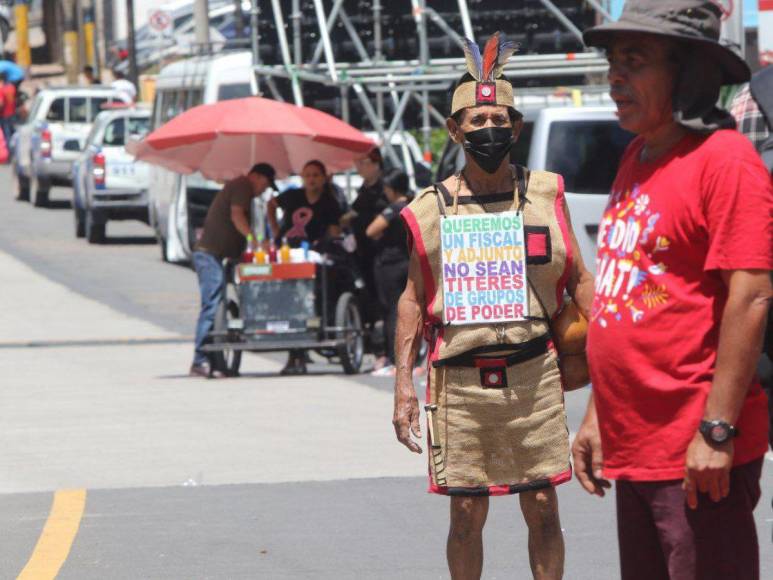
{"x": 492, "y": 252}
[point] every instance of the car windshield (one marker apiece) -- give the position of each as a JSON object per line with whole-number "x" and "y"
{"x": 137, "y": 126}
{"x": 79, "y": 110}
{"x": 233, "y": 91}
{"x": 586, "y": 153}
{"x": 114, "y": 134}
{"x": 56, "y": 110}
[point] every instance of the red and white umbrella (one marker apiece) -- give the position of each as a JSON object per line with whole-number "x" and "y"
{"x": 223, "y": 140}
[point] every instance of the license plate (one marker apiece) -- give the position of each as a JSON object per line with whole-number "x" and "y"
{"x": 121, "y": 170}
{"x": 278, "y": 326}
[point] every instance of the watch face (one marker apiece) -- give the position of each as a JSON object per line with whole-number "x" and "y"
{"x": 719, "y": 433}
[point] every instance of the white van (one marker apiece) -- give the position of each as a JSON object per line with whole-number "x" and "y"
{"x": 179, "y": 203}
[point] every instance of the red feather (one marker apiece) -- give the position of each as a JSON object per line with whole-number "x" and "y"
{"x": 490, "y": 56}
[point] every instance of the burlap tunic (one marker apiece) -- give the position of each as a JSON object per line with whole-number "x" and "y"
{"x": 494, "y": 441}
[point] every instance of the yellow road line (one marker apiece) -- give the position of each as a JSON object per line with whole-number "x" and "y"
{"x": 55, "y": 542}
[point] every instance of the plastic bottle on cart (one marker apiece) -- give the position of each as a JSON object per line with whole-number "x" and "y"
{"x": 260, "y": 253}
{"x": 284, "y": 252}
{"x": 249, "y": 251}
{"x": 272, "y": 252}
{"x": 305, "y": 248}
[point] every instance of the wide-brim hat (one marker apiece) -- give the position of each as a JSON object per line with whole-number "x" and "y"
{"x": 694, "y": 21}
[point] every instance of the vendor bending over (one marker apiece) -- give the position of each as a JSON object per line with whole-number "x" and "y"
{"x": 225, "y": 232}
{"x": 496, "y": 419}
{"x": 308, "y": 214}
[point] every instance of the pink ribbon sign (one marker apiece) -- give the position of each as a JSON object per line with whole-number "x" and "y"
{"x": 301, "y": 217}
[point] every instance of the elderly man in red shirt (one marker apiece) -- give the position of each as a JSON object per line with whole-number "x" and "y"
{"x": 677, "y": 416}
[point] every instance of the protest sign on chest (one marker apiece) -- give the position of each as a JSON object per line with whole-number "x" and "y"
{"x": 484, "y": 268}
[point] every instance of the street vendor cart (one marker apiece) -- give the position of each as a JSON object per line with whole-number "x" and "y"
{"x": 291, "y": 306}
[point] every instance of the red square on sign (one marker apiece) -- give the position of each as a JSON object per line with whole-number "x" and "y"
{"x": 486, "y": 94}
{"x": 537, "y": 245}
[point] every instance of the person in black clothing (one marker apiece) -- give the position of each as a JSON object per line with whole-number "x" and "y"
{"x": 390, "y": 266}
{"x": 370, "y": 202}
{"x": 309, "y": 213}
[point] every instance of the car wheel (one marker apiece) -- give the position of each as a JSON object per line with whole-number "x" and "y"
{"x": 21, "y": 184}
{"x": 39, "y": 189}
{"x": 80, "y": 222}
{"x": 95, "y": 232}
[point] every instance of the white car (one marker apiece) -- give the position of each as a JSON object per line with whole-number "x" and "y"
{"x": 57, "y": 115}
{"x": 107, "y": 182}
{"x": 583, "y": 145}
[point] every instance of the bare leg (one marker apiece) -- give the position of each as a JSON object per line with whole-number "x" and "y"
{"x": 546, "y": 542}
{"x": 465, "y": 537}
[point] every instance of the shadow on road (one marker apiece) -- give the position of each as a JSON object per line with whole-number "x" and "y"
{"x": 59, "y": 204}
{"x": 130, "y": 240}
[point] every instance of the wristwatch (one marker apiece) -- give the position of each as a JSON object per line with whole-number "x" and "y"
{"x": 717, "y": 431}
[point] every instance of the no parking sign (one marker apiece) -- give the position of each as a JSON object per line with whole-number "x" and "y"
{"x": 160, "y": 22}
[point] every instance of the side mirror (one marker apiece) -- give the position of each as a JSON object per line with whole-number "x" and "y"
{"x": 72, "y": 145}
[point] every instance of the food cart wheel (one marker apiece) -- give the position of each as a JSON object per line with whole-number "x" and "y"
{"x": 352, "y": 347}
{"x": 227, "y": 361}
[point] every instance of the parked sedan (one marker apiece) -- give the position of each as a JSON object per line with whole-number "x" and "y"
{"x": 57, "y": 115}
{"x": 108, "y": 184}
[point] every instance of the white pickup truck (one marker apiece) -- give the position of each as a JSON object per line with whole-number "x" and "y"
{"x": 107, "y": 182}
{"x": 582, "y": 144}
{"x": 57, "y": 115}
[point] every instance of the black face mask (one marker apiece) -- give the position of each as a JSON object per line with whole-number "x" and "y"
{"x": 489, "y": 146}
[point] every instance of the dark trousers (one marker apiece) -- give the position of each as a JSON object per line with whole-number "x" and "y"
{"x": 6, "y": 124}
{"x": 390, "y": 281}
{"x": 211, "y": 274}
{"x": 663, "y": 539}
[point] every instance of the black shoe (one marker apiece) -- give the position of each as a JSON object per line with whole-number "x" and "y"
{"x": 201, "y": 371}
{"x": 294, "y": 367}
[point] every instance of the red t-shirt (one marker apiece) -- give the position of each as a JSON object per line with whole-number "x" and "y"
{"x": 9, "y": 100}
{"x": 668, "y": 229}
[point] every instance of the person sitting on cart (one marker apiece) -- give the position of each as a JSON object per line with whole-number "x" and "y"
{"x": 310, "y": 213}
{"x": 225, "y": 231}
{"x": 390, "y": 263}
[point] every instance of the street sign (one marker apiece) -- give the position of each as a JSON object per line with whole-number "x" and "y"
{"x": 160, "y": 21}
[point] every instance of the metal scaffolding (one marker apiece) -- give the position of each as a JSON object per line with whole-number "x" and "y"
{"x": 377, "y": 83}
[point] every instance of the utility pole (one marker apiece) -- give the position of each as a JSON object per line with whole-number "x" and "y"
{"x": 71, "y": 40}
{"x": 89, "y": 36}
{"x": 133, "y": 75}
{"x": 23, "y": 53}
{"x": 201, "y": 23}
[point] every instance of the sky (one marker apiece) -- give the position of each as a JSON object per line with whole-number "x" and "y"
{"x": 749, "y": 11}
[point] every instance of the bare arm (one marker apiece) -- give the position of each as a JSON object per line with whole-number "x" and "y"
{"x": 377, "y": 227}
{"x": 586, "y": 451}
{"x": 740, "y": 342}
{"x": 240, "y": 220}
{"x": 580, "y": 285}
{"x": 271, "y": 215}
{"x": 407, "y": 341}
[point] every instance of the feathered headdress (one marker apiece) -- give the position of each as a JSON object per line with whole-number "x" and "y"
{"x": 486, "y": 88}
{"x": 486, "y": 68}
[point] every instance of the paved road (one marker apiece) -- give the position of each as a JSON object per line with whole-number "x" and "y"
{"x": 256, "y": 477}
